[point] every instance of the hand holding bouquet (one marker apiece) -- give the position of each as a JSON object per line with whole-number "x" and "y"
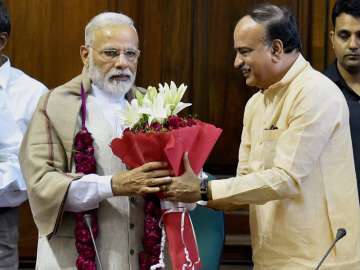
{"x": 154, "y": 132}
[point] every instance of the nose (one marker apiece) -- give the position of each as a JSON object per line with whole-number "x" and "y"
{"x": 353, "y": 42}
{"x": 239, "y": 61}
{"x": 121, "y": 62}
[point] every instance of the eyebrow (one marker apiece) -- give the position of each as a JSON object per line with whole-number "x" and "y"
{"x": 342, "y": 30}
{"x": 239, "y": 49}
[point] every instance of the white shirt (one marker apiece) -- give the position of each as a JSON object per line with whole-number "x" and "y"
{"x": 19, "y": 95}
{"x": 87, "y": 192}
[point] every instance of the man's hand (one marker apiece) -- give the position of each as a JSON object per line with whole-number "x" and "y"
{"x": 148, "y": 178}
{"x": 184, "y": 188}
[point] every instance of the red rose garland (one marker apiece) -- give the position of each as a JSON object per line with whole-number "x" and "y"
{"x": 152, "y": 233}
{"x": 85, "y": 163}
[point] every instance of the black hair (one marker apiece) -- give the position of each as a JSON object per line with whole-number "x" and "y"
{"x": 280, "y": 24}
{"x": 350, "y": 7}
{"x": 5, "y": 25}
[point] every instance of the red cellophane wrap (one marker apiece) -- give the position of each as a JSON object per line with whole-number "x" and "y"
{"x": 136, "y": 149}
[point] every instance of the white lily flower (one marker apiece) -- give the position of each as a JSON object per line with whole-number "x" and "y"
{"x": 155, "y": 108}
{"x": 179, "y": 107}
{"x": 131, "y": 114}
{"x": 156, "y": 104}
{"x": 173, "y": 95}
{"x": 151, "y": 93}
{"x": 139, "y": 96}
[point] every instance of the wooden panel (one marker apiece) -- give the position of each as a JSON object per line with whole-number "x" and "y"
{"x": 47, "y": 35}
{"x": 165, "y": 33}
{"x": 28, "y": 232}
{"x": 220, "y": 93}
{"x": 319, "y": 39}
{"x": 330, "y": 52}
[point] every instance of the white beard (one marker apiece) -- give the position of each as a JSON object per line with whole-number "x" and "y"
{"x": 104, "y": 82}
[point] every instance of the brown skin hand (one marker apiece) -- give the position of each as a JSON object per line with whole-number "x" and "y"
{"x": 148, "y": 178}
{"x": 184, "y": 188}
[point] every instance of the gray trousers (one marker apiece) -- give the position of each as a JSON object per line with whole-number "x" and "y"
{"x": 9, "y": 236}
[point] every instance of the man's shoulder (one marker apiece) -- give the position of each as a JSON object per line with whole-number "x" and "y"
{"x": 317, "y": 90}
{"x": 63, "y": 98}
{"x": 317, "y": 82}
{"x": 20, "y": 79}
{"x": 71, "y": 86}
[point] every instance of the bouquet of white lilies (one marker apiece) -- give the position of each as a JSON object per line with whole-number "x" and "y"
{"x": 155, "y": 106}
{"x": 154, "y": 132}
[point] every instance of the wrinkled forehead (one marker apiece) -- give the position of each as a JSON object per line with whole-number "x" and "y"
{"x": 347, "y": 22}
{"x": 248, "y": 33}
{"x": 115, "y": 35}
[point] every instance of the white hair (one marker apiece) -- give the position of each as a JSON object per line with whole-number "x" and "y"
{"x": 103, "y": 19}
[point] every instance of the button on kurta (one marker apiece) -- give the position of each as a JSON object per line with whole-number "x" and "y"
{"x": 133, "y": 200}
{"x": 132, "y": 251}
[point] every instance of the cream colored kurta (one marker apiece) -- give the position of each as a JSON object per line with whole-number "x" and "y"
{"x": 296, "y": 171}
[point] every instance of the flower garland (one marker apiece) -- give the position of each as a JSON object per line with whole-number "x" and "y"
{"x": 85, "y": 163}
{"x": 152, "y": 233}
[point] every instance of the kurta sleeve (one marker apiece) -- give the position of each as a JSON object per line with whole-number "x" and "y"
{"x": 44, "y": 166}
{"x": 289, "y": 154}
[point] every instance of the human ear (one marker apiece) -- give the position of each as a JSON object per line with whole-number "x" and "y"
{"x": 332, "y": 35}
{"x": 3, "y": 40}
{"x": 84, "y": 53}
{"x": 277, "y": 48}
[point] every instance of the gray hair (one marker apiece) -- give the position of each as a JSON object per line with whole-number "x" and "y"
{"x": 103, "y": 19}
{"x": 279, "y": 23}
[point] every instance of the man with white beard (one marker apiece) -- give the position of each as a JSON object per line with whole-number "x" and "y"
{"x": 68, "y": 172}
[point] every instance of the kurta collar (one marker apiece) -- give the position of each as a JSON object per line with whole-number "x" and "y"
{"x": 298, "y": 66}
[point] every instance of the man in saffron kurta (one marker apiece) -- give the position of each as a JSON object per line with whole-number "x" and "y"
{"x": 110, "y": 57}
{"x": 296, "y": 169}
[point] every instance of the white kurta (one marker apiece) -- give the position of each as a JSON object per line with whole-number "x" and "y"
{"x": 120, "y": 218}
{"x": 19, "y": 94}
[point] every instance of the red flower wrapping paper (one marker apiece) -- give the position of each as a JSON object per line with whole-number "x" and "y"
{"x": 139, "y": 148}
{"x": 135, "y": 149}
